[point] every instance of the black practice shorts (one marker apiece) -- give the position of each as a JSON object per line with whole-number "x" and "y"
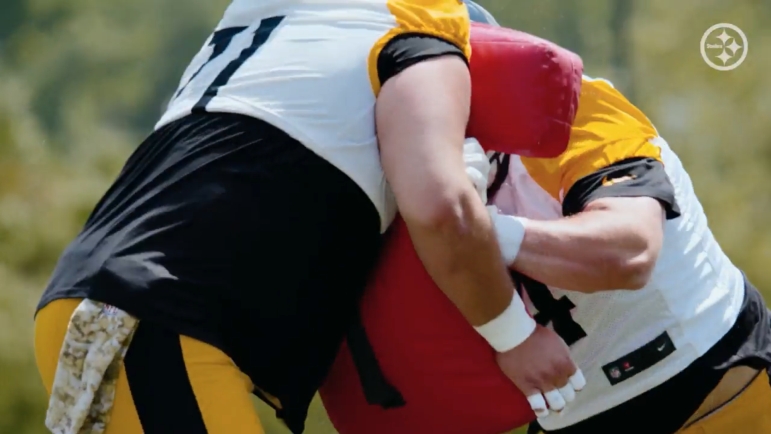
{"x": 223, "y": 228}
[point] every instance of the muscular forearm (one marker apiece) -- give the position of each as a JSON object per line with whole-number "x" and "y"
{"x": 599, "y": 249}
{"x": 421, "y": 116}
{"x": 462, "y": 256}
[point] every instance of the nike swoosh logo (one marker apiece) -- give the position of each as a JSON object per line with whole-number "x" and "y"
{"x": 606, "y": 182}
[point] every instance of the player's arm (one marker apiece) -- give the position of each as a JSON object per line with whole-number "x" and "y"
{"x": 612, "y": 233}
{"x": 421, "y": 114}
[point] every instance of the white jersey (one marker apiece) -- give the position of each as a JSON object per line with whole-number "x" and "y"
{"x": 309, "y": 67}
{"x": 695, "y": 293}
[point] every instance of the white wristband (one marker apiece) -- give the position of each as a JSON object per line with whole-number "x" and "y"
{"x": 510, "y": 231}
{"x": 510, "y": 328}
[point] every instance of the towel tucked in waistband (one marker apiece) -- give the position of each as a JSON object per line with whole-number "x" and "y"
{"x": 83, "y": 392}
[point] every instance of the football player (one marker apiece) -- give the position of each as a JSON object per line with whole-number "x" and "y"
{"x": 229, "y": 254}
{"x": 611, "y": 248}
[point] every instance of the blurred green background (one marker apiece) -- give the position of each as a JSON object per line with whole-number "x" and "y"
{"x": 83, "y": 81}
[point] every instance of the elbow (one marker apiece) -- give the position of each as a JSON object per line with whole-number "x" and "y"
{"x": 439, "y": 214}
{"x": 633, "y": 269}
{"x": 634, "y": 250}
{"x": 636, "y": 272}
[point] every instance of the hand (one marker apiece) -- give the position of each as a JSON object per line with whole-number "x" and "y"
{"x": 477, "y": 166}
{"x": 541, "y": 367}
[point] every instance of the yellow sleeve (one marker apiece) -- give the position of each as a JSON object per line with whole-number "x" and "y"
{"x": 607, "y": 129}
{"x": 444, "y": 19}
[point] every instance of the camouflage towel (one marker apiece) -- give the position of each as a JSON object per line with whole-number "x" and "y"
{"x": 84, "y": 387}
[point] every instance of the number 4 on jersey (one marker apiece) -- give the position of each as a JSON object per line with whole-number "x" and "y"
{"x": 551, "y": 310}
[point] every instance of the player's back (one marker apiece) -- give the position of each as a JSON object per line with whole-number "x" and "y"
{"x": 311, "y": 69}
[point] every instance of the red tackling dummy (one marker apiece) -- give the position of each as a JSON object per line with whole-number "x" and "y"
{"x": 525, "y": 98}
{"x": 524, "y": 93}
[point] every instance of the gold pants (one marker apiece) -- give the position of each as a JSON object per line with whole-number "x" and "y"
{"x": 221, "y": 391}
{"x": 740, "y": 404}
{"x": 749, "y": 412}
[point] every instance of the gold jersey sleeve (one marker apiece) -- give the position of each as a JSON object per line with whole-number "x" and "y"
{"x": 607, "y": 129}
{"x": 444, "y": 19}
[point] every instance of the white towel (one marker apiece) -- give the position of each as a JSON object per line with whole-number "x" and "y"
{"x": 83, "y": 392}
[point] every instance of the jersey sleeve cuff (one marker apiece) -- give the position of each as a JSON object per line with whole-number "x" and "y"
{"x": 633, "y": 177}
{"x": 407, "y": 49}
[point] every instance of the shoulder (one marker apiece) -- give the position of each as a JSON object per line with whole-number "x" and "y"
{"x": 447, "y": 19}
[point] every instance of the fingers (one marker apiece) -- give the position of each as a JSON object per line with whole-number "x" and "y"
{"x": 538, "y": 404}
{"x": 568, "y": 392}
{"x": 472, "y": 146}
{"x": 476, "y": 177}
{"x": 557, "y": 399}
{"x": 474, "y": 156}
{"x": 575, "y": 383}
{"x": 577, "y": 380}
{"x": 477, "y": 166}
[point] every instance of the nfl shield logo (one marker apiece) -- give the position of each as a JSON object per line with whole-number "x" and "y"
{"x": 614, "y": 373}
